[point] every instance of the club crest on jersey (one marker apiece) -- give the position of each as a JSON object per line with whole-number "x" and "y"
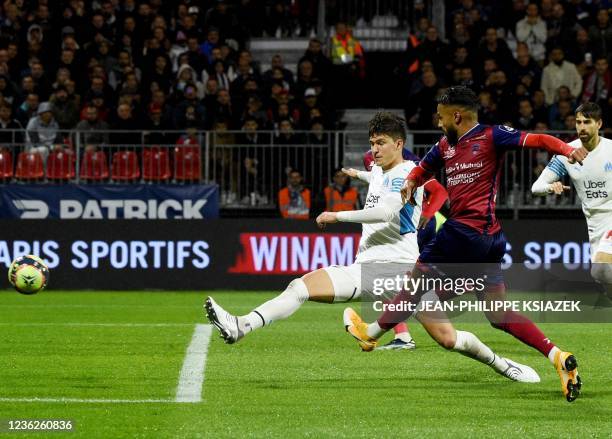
{"x": 507, "y": 129}
{"x": 449, "y": 153}
{"x": 608, "y": 167}
{"x": 475, "y": 148}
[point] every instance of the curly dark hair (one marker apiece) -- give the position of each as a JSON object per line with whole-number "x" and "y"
{"x": 385, "y": 123}
{"x": 460, "y": 96}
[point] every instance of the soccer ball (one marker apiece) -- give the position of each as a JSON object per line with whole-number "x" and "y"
{"x": 28, "y": 274}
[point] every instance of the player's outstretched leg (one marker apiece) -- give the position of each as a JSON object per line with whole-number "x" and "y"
{"x": 233, "y": 328}
{"x": 526, "y": 331}
{"x": 446, "y": 336}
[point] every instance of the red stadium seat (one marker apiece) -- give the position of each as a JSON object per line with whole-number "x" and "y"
{"x": 125, "y": 166}
{"x": 60, "y": 165}
{"x": 6, "y": 164}
{"x": 187, "y": 163}
{"x": 29, "y": 166}
{"x": 94, "y": 166}
{"x": 156, "y": 164}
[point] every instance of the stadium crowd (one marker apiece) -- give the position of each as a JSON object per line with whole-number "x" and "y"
{"x": 531, "y": 63}
{"x": 154, "y": 65}
{"x": 158, "y": 65}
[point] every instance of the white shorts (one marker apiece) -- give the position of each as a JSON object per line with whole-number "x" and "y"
{"x": 348, "y": 281}
{"x": 604, "y": 245}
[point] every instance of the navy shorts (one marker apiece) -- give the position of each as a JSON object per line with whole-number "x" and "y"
{"x": 457, "y": 245}
{"x": 426, "y": 234}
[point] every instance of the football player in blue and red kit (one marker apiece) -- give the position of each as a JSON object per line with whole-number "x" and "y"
{"x": 471, "y": 155}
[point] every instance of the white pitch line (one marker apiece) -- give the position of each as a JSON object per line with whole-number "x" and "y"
{"x": 97, "y": 324}
{"x": 189, "y": 388}
{"x": 90, "y": 401}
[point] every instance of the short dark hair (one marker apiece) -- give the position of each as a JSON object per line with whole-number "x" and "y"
{"x": 590, "y": 110}
{"x": 460, "y": 96}
{"x": 389, "y": 124}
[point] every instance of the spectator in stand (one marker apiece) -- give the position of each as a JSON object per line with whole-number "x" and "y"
{"x": 532, "y": 30}
{"x": 558, "y": 112}
{"x": 187, "y": 76}
{"x": 223, "y": 110}
{"x": 493, "y": 47}
{"x": 10, "y": 129}
{"x": 210, "y": 95}
{"x": 294, "y": 199}
{"x": 600, "y": 33}
{"x": 195, "y": 58}
{"x": 423, "y": 104}
{"x": 221, "y": 17}
{"x": 561, "y": 31}
{"x": 317, "y": 135}
{"x": 275, "y": 66}
{"x": 435, "y": 50}
{"x": 154, "y": 126}
{"x": 42, "y": 131}
{"x": 190, "y": 110}
{"x": 348, "y": 65}
{"x": 254, "y": 110}
{"x": 212, "y": 42}
{"x": 42, "y": 83}
{"x": 526, "y": 69}
{"x": 598, "y": 87}
{"x": 581, "y": 52}
{"x": 287, "y": 134}
{"x": 305, "y": 78}
{"x": 321, "y": 64}
{"x": 538, "y": 102}
{"x": 27, "y": 109}
{"x": 65, "y": 110}
{"x": 161, "y": 74}
{"x": 340, "y": 195}
{"x": 488, "y": 109}
{"x": 126, "y": 126}
{"x": 92, "y": 129}
{"x": 501, "y": 91}
{"x": 525, "y": 119}
{"x": 557, "y": 73}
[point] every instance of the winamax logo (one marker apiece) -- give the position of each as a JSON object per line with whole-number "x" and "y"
{"x": 114, "y": 209}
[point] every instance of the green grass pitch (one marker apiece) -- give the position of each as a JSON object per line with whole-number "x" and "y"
{"x": 300, "y": 377}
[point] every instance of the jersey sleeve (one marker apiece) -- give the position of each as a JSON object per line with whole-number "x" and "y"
{"x": 557, "y": 166}
{"x": 433, "y": 159}
{"x": 505, "y": 137}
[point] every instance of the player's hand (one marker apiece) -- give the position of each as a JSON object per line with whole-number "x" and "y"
{"x": 578, "y": 155}
{"x": 407, "y": 191}
{"x": 326, "y": 218}
{"x": 350, "y": 172}
{"x": 423, "y": 222}
{"x": 558, "y": 188}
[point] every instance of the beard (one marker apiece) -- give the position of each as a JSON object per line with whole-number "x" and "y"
{"x": 451, "y": 135}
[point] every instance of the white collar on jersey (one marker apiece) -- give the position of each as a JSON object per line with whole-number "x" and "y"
{"x": 468, "y": 132}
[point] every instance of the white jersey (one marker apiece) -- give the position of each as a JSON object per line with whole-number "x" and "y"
{"x": 396, "y": 240}
{"x": 593, "y": 184}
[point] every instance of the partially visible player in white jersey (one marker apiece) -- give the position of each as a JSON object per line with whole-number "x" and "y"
{"x": 388, "y": 236}
{"x": 593, "y": 184}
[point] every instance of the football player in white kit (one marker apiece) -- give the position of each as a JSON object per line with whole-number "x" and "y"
{"x": 593, "y": 184}
{"x": 388, "y": 236}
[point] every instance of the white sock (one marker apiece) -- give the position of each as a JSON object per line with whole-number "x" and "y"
{"x": 468, "y": 344}
{"x": 404, "y": 336}
{"x": 281, "y": 307}
{"x": 375, "y": 331}
{"x": 552, "y": 353}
